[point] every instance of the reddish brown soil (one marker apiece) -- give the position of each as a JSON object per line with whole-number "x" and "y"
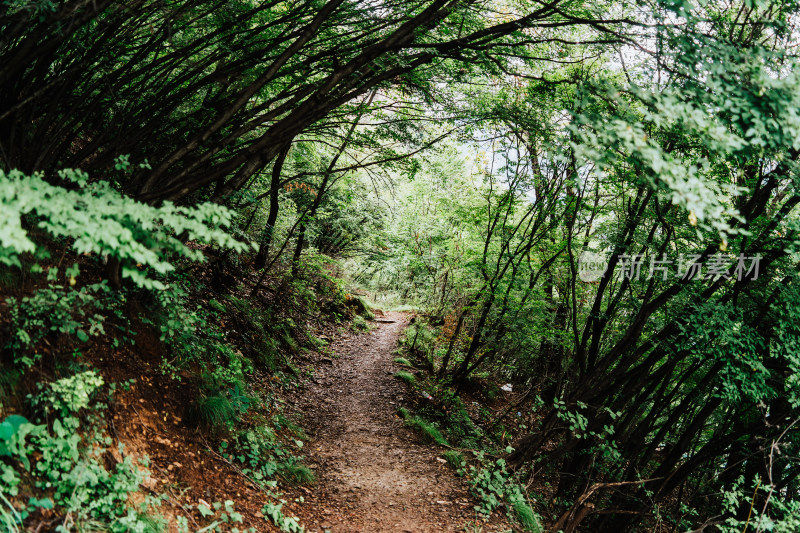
{"x": 183, "y": 463}
{"x": 373, "y": 474}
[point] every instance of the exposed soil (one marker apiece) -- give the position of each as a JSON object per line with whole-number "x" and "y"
{"x": 183, "y": 465}
{"x": 373, "y": 474}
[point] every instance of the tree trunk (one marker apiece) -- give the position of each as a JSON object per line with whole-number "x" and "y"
{"x": 272, "y": 217}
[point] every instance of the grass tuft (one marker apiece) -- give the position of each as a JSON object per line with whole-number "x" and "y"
{"x": 403, "y": 361}
{"x": 298, "y": 474}
{"x": 408, "y": 377}
{"x": 215, "y": 412}
{"x": 526, "y": 516}
{"x": 10, "y": 518}
{"x": 360, "y": 324}
{"x": 430, "y": 432}
{"x": 454, "y": 458}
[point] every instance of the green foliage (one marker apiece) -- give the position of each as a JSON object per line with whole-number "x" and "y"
{"x": 75, "y": 314}
{"x": 261, "y": 333}
{"x": 150, "y": 523}
{"x": 216, "y": 413}
{"x": 725, "y": 336}
{"x": 68, "y": 395}
{"x": 786, "y": 311}
{"x": 64, "y": 462}
{"x": 274, "y": 512}
{"x": 493, "y": 485}
{"x": 217, "y": 305}
{"x": 403, "y": 361}
{"x": 101, "y": 221}
{"x": 261, "y": 455}
{"x": 630, "y": 129}
{"x": 222, "y": 517}
{"x": 348, "y": 216}
{"x": 362, "y": 309}
{"x": 195, "y": 340}
{"x": 523, "y": 513}
{"x": 428, "y": 237}
{"x": 489, "y": 484}
{"x": 13, "y": 432}
{"x": 359, "y": 324}
{"x": 454, "y": 459}
{"x": 10, "y": 519}
{"x": 682, "y": 380}
{"x": 82, "y": 485}
{"x": 298, "y": 473}
{"x": 767, "y": 511}
{"x": 429, "y": 431}
{"x": 420, "y": 340}
{"x": 460, "y": 426}
{"x": 408, "y": 377}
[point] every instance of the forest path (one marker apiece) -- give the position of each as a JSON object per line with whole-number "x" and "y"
{"x": 372, "y": 475}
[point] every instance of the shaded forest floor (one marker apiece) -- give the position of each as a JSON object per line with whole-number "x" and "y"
{"x": 372, "y": 472}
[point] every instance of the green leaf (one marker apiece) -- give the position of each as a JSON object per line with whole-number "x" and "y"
{"x": 205, "y": 510}
{"x": 44, "y": 503}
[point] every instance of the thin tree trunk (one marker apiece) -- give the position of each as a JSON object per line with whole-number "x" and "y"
{"x": 272, "y": 217}
{"x": 323, "y": 187}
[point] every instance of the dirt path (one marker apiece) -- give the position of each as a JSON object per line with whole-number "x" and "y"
{"x": 373, "y": 475}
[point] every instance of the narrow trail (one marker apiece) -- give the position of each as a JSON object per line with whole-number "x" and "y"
{"x": 373, "y": 475}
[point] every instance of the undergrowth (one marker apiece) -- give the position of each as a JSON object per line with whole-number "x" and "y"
{"x": 56, "y": 462}
{"x": 261, "y": 454}
{"x": 443, "y": 418}
{"x": 403, "y": 361}
{"x": 430, "y": 432}
{"x": 360, "y": 324}
{"x": 494, "y": 486}
{"x": 62, "y": 466}
{"x": 408, "y": 377}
